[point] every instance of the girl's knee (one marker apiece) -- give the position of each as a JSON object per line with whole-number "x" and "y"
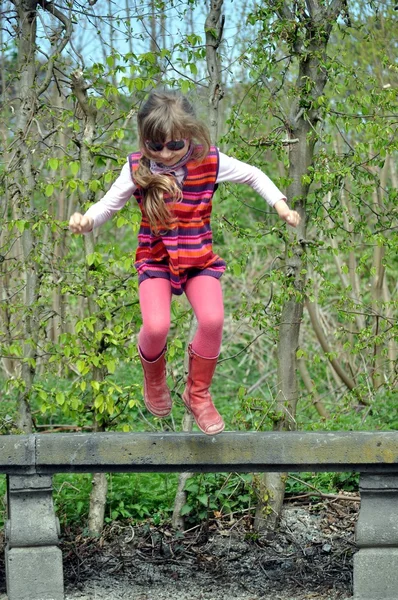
{"x": 211, "y": 324}
{"x": 156, "y": 328}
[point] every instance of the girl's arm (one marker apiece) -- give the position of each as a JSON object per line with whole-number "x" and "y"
{"x": 236, "y": 171}
{"x": 100, "y": 212}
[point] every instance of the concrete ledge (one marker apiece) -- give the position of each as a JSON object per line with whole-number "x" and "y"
{"x": 366, "y": 452}
{"x": 375, "y": 452}
{"x": 18, "y": 454}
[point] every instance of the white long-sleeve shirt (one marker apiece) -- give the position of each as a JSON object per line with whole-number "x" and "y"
{"x": 230, "y": 170}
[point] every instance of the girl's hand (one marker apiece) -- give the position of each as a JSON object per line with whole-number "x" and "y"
{"x": 290, "y": 216}
{"x": 80, "y": 223}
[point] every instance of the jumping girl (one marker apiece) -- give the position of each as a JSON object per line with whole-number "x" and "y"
{"x": 173, "y": 178}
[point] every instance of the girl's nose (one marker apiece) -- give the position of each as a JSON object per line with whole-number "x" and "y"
{"x": 165, "y": 154}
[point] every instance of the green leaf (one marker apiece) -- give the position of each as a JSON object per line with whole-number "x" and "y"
{"x": 60, "y": 398}
{"x": 53, "y": 163}
{"x": 94, "y": 185}
{"x": 74, "y": 167}
{"x": 185, "y": 510}
{"x": 99, "y": 401}
{"x": 111, "y": 366}
{"x": 203, "y": 499}
{"x": 237, "y": 269}
{"x": 49, "y": 190}
{"x": 185, "y": 86}
{"x": 149, "y": 57}
{"x": 21, "y": 225}
{"x": 81, "y": 365}
{"x": 121, "y": 221}
{"x": 241, "y": 392}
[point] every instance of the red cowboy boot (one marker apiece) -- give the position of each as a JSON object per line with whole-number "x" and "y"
{"x": 157, "y": 395}
{"x": 196, "y": 395}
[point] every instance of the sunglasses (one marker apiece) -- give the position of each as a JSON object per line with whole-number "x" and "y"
{"x": 173, "y": 145}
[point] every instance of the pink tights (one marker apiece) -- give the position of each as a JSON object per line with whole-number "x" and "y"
{"x": 205, "y": 296}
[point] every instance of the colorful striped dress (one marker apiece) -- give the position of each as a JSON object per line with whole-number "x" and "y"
{"x": 185, "y": 250}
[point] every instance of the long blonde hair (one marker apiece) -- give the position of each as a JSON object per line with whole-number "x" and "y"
{"x": 165, "y": 115}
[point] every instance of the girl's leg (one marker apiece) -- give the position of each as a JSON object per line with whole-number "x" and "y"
{"x": 155, "y": 301}
{"x": 205, "y": 296}
{"x": 155, "y": 298}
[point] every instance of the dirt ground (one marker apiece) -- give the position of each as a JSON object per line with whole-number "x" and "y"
{"x": 310, "y": 557}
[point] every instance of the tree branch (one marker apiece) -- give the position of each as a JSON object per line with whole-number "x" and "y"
{"x": 67, "y": 23}
{"x": 320, "y": 334}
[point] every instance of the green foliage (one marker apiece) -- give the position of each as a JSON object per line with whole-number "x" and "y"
{"x": 217, "y": 495}
{"x": 316, "y": 484}
{"x": 134, "y": 497}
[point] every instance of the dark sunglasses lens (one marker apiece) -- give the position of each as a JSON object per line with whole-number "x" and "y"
{"x": 176, "y": 145}
{"x": 155, "y": 146}
{"x": 173, "y": 145}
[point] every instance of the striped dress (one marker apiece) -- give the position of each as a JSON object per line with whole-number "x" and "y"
{"x": 185, "y": 250}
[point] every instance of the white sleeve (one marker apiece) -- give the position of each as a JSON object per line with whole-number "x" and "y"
{"x": 236, "y": 171}
{"x": 115, "y": 198}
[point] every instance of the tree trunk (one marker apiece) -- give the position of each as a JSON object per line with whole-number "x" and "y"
{"x": 21, "y": 196}
{"x": 177, "y": 520}
{"x": 378, "y": 375}
{"x": 214, "y": 26}
{"x": 21, "y": 180}
{"x": 301, "y": 125}
{"x": 99, "y": 490}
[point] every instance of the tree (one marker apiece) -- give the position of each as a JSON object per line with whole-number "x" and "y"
{"x": 299, "y": 78}
{"x": 302, "y": 101}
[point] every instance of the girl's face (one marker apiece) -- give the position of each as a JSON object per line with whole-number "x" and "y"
{"x": 168, "y": 153}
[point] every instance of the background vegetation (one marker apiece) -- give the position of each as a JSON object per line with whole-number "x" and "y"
{"x": 72, "y": 76}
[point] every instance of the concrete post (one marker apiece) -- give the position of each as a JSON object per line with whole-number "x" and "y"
{"x": 33, "y": 558}
{"x": 376, "y": 562}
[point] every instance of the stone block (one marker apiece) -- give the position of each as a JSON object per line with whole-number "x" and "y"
{"x": 376, "y": 574}
{"x": 34, "y": 573}
{"x": 32, "y": 520}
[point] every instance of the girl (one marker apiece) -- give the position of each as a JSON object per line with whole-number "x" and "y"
{"x": 173, "y": 178}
